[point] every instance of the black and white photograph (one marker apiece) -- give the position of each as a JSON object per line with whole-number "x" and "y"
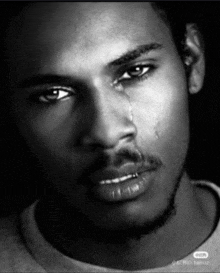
{"x": 109, "y": 136}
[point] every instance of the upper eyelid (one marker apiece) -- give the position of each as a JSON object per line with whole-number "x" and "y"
{"x": 53, "y": 86}
{"x": 122, "y": 71}
{"x": 40, "y": 89}
{"x": 62, "y": 88}
{"x": 149, "y": 62}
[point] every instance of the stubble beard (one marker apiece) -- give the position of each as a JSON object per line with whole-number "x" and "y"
{"x": 136, "y": 231}
{"x": 86, "y": 228}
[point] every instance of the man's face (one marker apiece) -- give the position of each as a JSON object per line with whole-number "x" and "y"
{"x": 99, "y": 93}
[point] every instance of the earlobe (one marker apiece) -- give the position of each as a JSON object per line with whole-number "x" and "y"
{"x": 194, "y": 58}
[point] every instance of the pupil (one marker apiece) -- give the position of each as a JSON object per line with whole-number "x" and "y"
{"x": 135, "y": 71}
{"x": 52, "y": 94}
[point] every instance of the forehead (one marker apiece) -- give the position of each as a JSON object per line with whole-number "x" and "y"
{"x": 79, "y": 20}
{"x": 88, "y": 31}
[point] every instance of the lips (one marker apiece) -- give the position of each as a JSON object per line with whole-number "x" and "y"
{"x": 123, "y": 184}
{"x": 126, "y": 172}
{"x": 127, "y": 189}
{"x": 118, "y": 180}
{"x": 123, "y": 177}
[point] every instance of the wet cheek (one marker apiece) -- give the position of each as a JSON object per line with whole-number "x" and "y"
{"x": 174, "y": 134}
{"x": 162, "y": 122}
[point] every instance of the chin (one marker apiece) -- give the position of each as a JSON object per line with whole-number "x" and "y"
{"x": 135, "y": 219}
{"x": 121, "y": 227}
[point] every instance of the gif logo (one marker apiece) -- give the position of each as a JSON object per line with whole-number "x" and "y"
{"x": 200, "y": 255}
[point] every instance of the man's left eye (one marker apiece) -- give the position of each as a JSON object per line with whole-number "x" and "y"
{"x": 52, "y": 95}
{"x": 135, "y": 72}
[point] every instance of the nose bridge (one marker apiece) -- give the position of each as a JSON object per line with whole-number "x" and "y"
{"x": 111, "y": 120}
{"x": 110, "y": 114}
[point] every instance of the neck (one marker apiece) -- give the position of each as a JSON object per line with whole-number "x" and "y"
{"x": 79, "y": 239}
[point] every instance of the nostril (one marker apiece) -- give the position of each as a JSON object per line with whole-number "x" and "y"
{"x": 131, "y": 136}
{"x": 95, "y": 141}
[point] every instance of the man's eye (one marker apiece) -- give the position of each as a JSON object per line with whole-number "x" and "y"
{"x": 53, "y": 95}
{"x": 135, "y": 72}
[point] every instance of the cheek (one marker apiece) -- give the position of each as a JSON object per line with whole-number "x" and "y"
{"x": 43, "y": 127}
{"x": 161, "y": 116}
{"x": 50, "y": 135}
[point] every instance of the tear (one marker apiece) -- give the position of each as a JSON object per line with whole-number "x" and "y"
{"x": 119, "y": 87}
{"x": 141, "y": 159}
{"x": 157, "y": 134}
{"x": 156, "y": 131}
{"x": 130, "y": 109}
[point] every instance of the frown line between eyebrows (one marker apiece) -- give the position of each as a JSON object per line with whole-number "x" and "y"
{"x": 134, "y": 54}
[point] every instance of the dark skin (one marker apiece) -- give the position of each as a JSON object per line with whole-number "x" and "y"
{"x": 104, "y": 104}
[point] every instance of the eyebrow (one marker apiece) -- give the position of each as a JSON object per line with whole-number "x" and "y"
{"x": 134, "y": 54}
{"x": 44, "y": 79}
{"x": 56, "y": 79}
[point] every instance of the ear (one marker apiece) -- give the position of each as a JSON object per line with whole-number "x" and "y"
{"x": 194, "y": 58}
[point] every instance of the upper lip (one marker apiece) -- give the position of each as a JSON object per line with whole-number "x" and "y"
{"x": 126, "y": 169}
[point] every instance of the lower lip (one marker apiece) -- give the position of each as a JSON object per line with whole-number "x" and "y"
{"x": 123, "y": 191}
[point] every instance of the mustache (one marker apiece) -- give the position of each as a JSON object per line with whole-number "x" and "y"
{"x": 118, "y": 159}
{"x": 135, "y": 156}
{"x": 124, "y": 155}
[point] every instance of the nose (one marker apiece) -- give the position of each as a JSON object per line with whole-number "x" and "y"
{"x": 110, "y": 121}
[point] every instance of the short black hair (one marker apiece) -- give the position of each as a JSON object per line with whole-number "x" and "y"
{"x": 177, "y": 15}
{"x": 168, "y": 12}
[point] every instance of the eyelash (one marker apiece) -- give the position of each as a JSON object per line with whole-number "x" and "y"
{"x": 40, "y": 97}
{"x": 149, "y": 69}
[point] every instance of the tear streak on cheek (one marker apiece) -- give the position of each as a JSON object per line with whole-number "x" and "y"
{"x": 132, "y": 120}
{"x": 157, "y": 131}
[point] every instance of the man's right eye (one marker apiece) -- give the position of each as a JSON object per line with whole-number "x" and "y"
{"x": 53, "y": 95}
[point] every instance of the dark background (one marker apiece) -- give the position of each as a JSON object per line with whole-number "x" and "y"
{"x": 204, "y": 156}
{"x": 17, "y": 181}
